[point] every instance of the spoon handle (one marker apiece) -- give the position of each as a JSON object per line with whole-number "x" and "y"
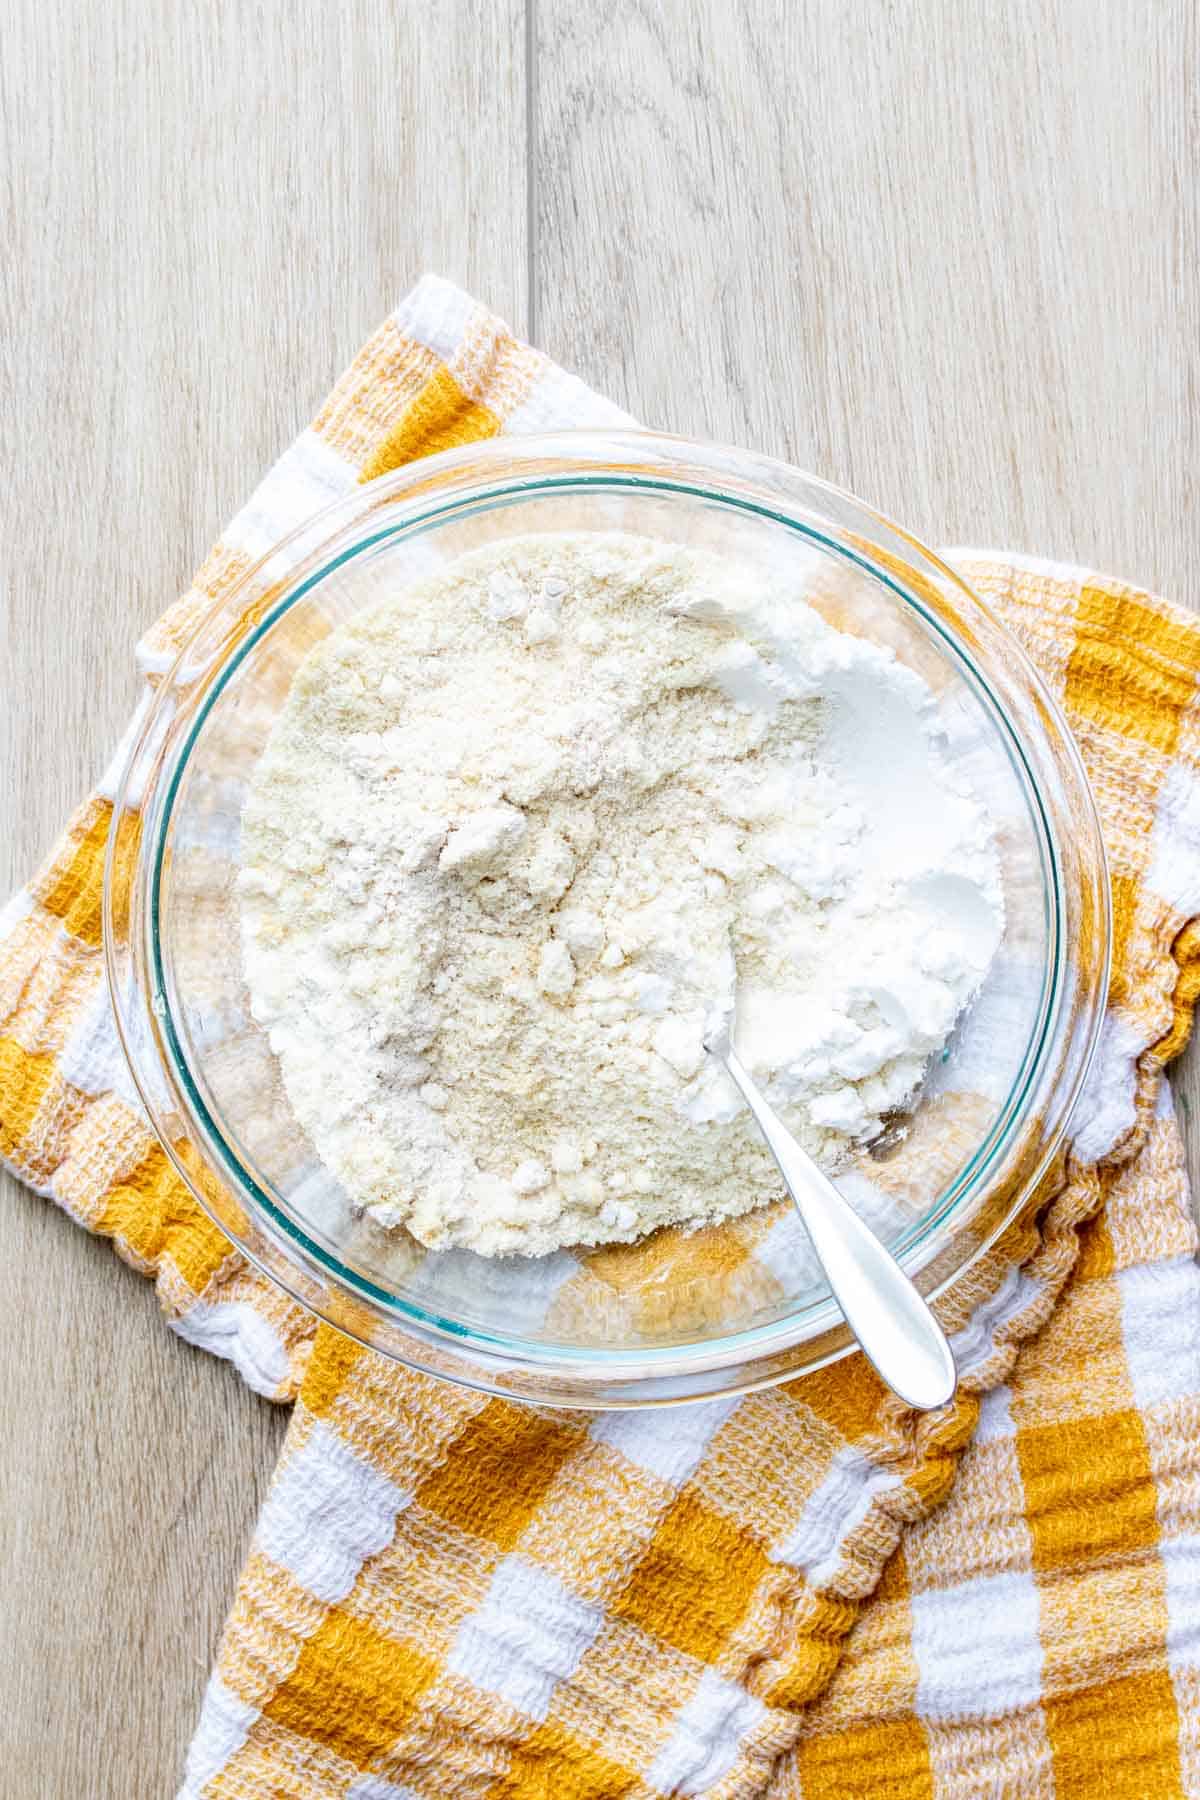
{"x": 883, "y": 1309}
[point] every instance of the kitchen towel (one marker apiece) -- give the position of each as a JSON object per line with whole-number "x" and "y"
{"x": 450, "y": 1595}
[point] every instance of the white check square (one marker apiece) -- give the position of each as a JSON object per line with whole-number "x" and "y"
{"x": 667, "y": 1444}
{"x": 707, "y": 1737}
{"x": 326, "y": 1514}
{"x": 528, "y": 1635}
{"x": 977, "y": 1647}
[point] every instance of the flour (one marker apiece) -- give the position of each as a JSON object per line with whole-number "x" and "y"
{"x": 523, "y": 832}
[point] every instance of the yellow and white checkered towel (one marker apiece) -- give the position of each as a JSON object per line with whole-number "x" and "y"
{"x": 456, "y": 1598}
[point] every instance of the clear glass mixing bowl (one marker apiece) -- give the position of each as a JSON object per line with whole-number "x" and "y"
{"x": 677, "y": 1317}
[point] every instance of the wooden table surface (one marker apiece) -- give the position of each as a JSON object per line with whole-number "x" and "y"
{"x": 946, "y": 256}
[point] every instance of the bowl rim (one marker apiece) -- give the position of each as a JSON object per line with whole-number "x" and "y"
{"x": 308, "y": 552}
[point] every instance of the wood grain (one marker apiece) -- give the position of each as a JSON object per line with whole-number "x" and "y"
{"x": 943, "y": 255}
{"x": 947, "y": 256}
{"x": 199, "y": 230}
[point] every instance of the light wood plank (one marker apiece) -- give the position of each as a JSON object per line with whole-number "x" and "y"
{"x": 207, "y": 210}
{"x": 946, "y": 256}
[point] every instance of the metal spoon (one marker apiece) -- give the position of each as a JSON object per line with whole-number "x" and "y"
{"x": 883, "y": 1309}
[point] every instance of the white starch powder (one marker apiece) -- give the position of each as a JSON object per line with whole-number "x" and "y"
{"x": 520, "y": 832}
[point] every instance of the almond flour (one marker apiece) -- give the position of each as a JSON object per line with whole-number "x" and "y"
{"x": 524, "y": 829}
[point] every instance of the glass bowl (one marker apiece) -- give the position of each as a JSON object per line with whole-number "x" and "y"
{"x": 678, "y": 1316}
